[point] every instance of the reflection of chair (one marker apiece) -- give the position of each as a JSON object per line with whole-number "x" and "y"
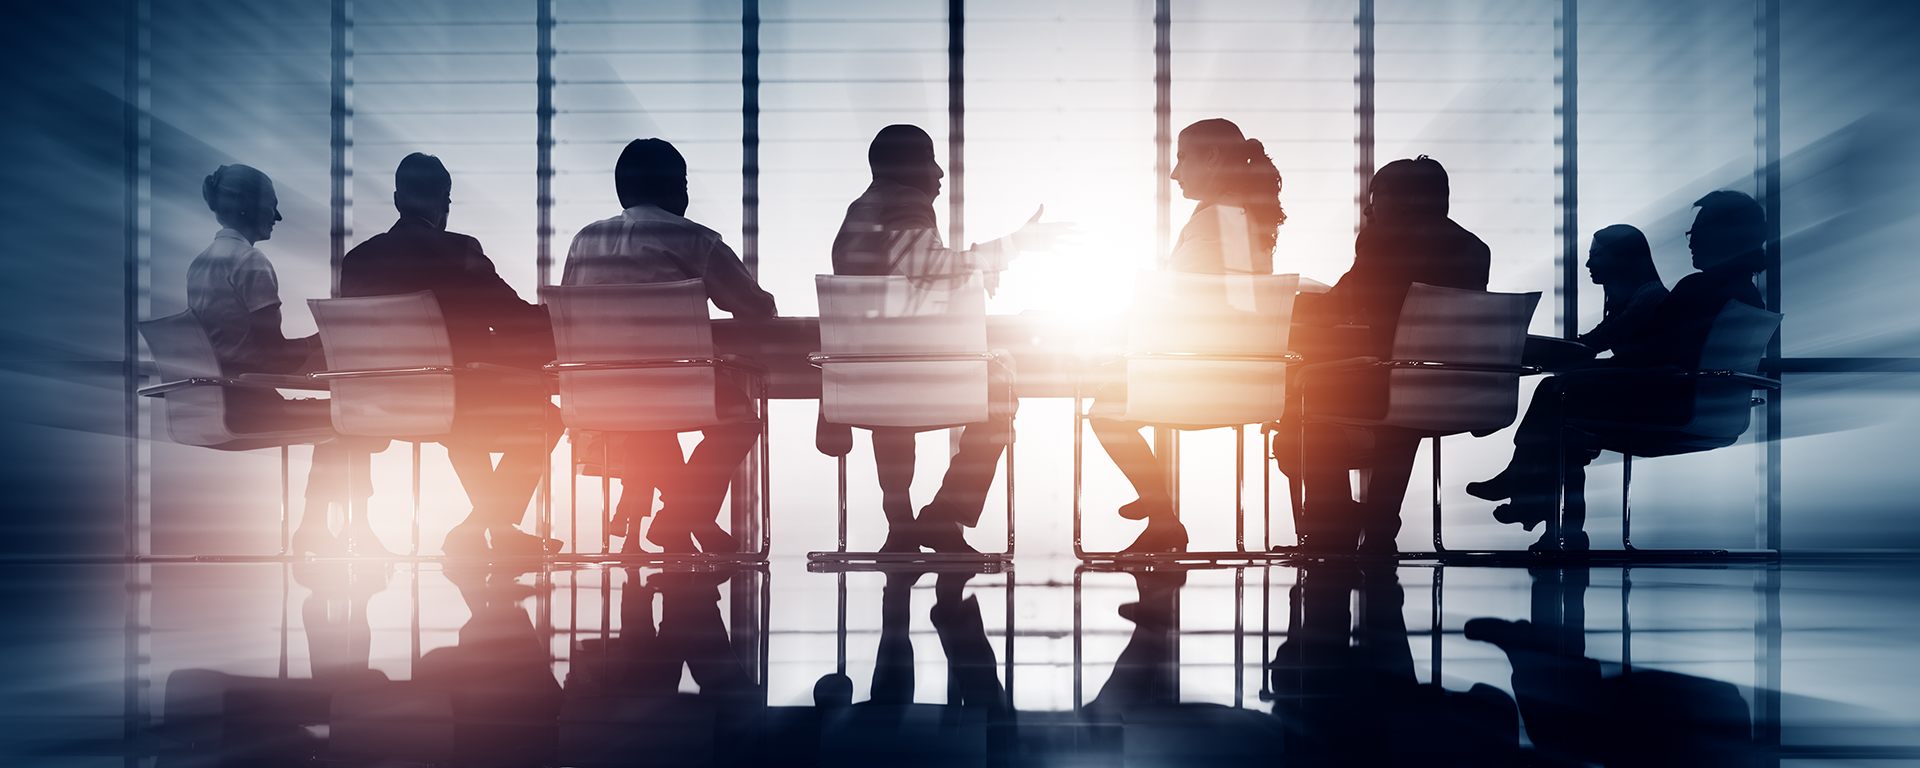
{"x": 390, "y": 367}
{"x": 640, "y": 358}
{"x": 196, "y": 398}
{"x": 1720, "y": 389}
{"x": 1455, "y": 368}
{"x": 1203, "y": 352}
{"x": 895, "y": 353}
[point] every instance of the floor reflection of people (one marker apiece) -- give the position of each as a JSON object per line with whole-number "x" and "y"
{"x": 1346, "y": 691}
{"x": 891, "y": 230}
{"x": 1407, "y": 237}
{"x": 1727, "y": 241}
{"x": 339, "y": 638}
{"x": 499, "y": 676}
{"x": 1575, "y": 715}
{"x": 1237, "y": 214}
{"x": 624, "y": 694}
{"x": 235, "y": 295}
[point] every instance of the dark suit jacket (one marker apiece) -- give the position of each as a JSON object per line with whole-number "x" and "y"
{"x": 1677, "y": 330}
{"x": 1388, "y": 255}
{"x": 487, "y": 321}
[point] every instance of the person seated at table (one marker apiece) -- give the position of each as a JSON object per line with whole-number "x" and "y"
{"x": 1728, "y": 241}
{"x": 652, "y": 241}
{"x": 1407, "y": 238}
{"x": 1231, "y": 232}
{"x": 890, "y": 230}
{"x": 235, "y": 294}
{"x": 487, "y": 322}
{"x": 1621, "y": 263}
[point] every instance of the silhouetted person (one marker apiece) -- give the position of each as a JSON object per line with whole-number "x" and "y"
{"x": 1346, "y": 691}
{"x": 1638, "y": 718}
{"x": 234, "y": 293}
{"x": 1145, "y": 674}
{"x": 1727, "y": 241}
{"x": 1407, "y": 238}
{"x": 1621, "y": 263}
{"x": 1231, "y": 232}
{"x": 890, "y": 230}
{"x": 652, "y": 241}
{"x": 486, "y": 323}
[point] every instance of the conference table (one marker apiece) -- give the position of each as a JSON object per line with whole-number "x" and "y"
{"x": 1047, "y": 348}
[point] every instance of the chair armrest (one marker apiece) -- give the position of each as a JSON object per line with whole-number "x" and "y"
{"x": 1434, "y": 365}
{"x": 372, "y": 373}
{"x": 1284, "y": 358}
{"x": 157, "y": 390}
{"x": 1759, "y": 382}
{"x": 819, "y": 358}
{"x": 507, "y": 371}
{"x": 281, "y": 381}
{"x": 744, "y": 364}
{"x": 1351, "y": 362}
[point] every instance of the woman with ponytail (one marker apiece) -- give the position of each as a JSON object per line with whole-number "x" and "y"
{"x": 1231, "y": 232}
{"x": 234, "y": 293}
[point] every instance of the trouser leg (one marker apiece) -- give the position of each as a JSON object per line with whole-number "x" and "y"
{"x": 893, "y": 662}
{"x": 963, "y": 492}
{"x": 893, "y": 461}
{"x": 696, "y": 497}
{"x": 647, "y": 461}
{"x": 522, "y": 465}
{"x": 1131, "y": 452}
{"x": 1393, "y": 454}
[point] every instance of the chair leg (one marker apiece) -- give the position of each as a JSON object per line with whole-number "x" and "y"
{"x": 573, "y": 497}
{"x": 1079, "y": 424}
{"x": 286, "y": 503}
{"x": 841, "y": 464}
{"x": 413, "y": 517}
{"x": 1009, "y": 500}
{"x": 1438, "y": 544}
{"x": 606, "y": 496}
{"x": 1626, "y": 510}
{"x": 1239, "y": 492}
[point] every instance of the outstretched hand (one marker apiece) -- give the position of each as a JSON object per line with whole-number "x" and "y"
{"x": 1037, "y": 235}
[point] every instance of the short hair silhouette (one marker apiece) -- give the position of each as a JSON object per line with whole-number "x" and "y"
{"x": 651, "y": 171}
{"x": 1734, "y": 213}
{"x": 1409, "y": 186}
{"x": 421, "y": 184}
{"x": 234, "y": 193}
{"x": 903, "y": 154}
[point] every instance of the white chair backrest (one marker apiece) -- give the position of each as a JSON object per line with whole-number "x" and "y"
{"x": 181, "y": 350}
{"x": 382, "y": 332}
{"x": 893, "y": 315}
{"x": 1452, "y": 325}
{"x": 1178, "y": 313}
{"x": 632, "y": 322}
{"x": 1736, "y": 342}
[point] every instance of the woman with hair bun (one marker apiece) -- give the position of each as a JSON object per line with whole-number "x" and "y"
{"x": 1231, "y": 232}
{"x": 234, "y": 293}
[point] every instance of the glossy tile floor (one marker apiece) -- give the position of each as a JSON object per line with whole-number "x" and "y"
{"x": 274, "y": 663}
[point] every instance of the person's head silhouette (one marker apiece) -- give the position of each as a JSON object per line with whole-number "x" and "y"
{"x": 242, "y": 199}
{"x": 1620, "y": 256}
{"x": 423, "y": 189}
{"x": 1730, "y": 231}
{"x": 1215, "y": 162}
{"x": 903, "y": 154}
{"x": 1408, "y": 187}
{"x": 651, "y": 171}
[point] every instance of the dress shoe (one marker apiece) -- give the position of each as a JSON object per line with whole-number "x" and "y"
{"x": 1570, "y": 541}
{"x": 317, "y": 541}
{"x": 946, "y": 538}
{"x": 1497, "y": 488}
{"x": 1170, "y": 536}
{"x": 514, "y": 542}
{"x": 1143, "y": 508}
{"x": 714, "y": 539}
{"x": 902, "y": 537}
{"x": 670, "y": 539}
{"x": 1508, "y": 635}
{"x": 466, "y": 540}
{"x": 362, "y": 543}
{"x": 1526, "y": 514}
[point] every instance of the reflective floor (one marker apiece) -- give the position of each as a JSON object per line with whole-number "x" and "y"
{"x": 371, "y": 663}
